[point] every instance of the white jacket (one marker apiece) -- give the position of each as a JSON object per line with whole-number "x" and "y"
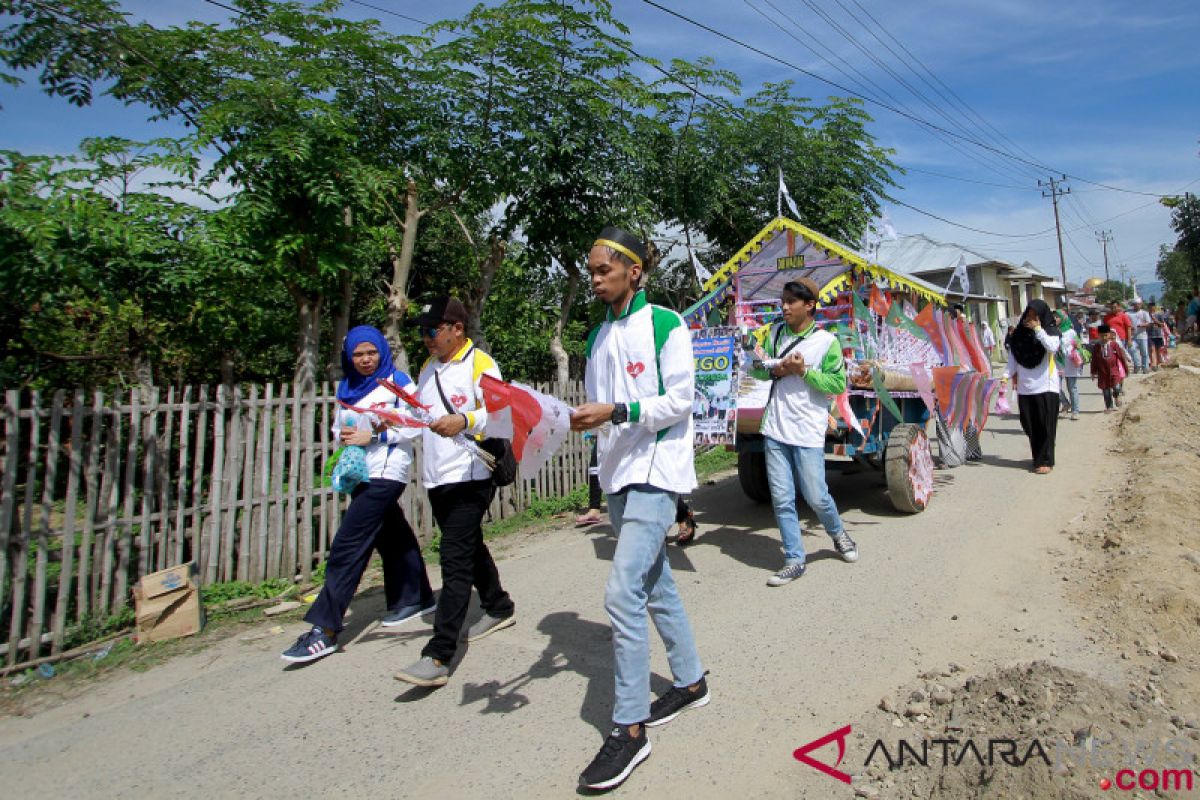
{"x": 443, "y": 461}
{"x": 649, "y": 367}
{"x": 1042, "y": 378}
{"x": 392, "y": 458}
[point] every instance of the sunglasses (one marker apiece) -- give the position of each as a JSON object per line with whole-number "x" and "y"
{"x": 431, "y": 331}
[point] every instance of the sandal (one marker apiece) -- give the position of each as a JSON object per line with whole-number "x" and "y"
{"x": 583, "y": 520}
{"x": 687, "y": 530}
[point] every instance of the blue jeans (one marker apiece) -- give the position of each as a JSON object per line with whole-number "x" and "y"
{"x": 1069, "y": 395}
{"x": 788, "y": 465}
{"x": 1141, "y": 353}
{"x": 641, "y": 581}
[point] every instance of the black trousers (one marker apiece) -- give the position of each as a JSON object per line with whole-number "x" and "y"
{"x": 1039, "y": 420}
{"x": 458, "y": 509}
{"x": 374, "y": 521}
{"x": 595, "y": 496}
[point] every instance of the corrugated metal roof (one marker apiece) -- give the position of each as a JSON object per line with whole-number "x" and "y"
{"x": 917, "y": 254}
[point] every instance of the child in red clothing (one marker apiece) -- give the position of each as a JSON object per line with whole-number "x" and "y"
{"x": 1110, "y": 365}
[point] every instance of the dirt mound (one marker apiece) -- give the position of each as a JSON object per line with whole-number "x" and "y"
{"x": 1029, "y": 730}
{"x": 1140, "y": 563}
{"x": 1037, "y": 730}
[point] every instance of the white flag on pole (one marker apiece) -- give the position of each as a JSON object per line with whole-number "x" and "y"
{"x": 786, "y": 195}
{"x": 886, "y": 228}
{"x": 960, "y": 275}
{"x": 702, "y": 273}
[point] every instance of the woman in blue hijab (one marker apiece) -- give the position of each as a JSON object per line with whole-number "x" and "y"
{"x": 374, "y": 520}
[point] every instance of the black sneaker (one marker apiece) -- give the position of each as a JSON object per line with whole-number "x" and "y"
{"x": 310, "y": 646}
{"x": 675, "y": 702}
{"x": 618, "y": 757}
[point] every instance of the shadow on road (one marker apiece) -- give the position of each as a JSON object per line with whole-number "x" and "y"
{"x": 575, "y": 645}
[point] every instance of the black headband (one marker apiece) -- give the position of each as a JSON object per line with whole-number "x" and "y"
{"x": 623, "y": 242}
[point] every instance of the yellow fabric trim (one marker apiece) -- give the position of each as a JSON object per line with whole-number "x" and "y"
{"x": 731, "y": 267}
{"x": 625, "y": 251}
{"x": 462, "y": 351}
{"x": 483, "y": 362}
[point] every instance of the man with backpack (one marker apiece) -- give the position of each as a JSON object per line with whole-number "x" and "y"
{"x": 460, "y": 488}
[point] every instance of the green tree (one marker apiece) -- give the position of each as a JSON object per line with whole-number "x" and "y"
{"x": 272, "y": 95}
{"x": 1112, "y": 291}
{"x": 1185, "y": 221}
{"x": 542, "y": 99}
{"x": 720, "y": 160}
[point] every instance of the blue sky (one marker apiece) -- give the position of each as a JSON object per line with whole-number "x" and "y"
{"x": 1106, "y": 91}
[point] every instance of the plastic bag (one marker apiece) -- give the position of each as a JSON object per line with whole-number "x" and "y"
{"x": 350, "y": 469}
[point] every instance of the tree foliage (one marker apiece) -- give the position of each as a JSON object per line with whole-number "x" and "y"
{"x": 347, "y": 169}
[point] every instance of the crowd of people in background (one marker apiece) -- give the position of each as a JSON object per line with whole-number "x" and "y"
{"x": 1048, "y": 351}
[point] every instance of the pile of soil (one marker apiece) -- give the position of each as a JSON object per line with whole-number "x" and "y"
{"x": 1029, "y": 730}
{"x": 1134, "y": 558}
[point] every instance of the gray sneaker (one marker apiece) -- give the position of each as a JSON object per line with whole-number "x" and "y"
{"x": 489, "y": 624}
{"x": 786, "y": 575}
{"x": 425, "y": 673}
{"x": 846, "y": 547}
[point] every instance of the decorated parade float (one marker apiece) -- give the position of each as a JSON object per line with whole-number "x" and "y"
{"x": 909, "y": 360}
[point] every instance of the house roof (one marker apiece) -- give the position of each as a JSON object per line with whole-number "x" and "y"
{"x": 918, "y": 254}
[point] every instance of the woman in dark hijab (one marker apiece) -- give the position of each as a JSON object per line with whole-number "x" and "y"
{"x": 374, "y": 520}
{"x": 1031, "y": 348}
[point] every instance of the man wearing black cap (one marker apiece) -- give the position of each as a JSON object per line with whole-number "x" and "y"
{"x": 640, "y": 378}
{"x": 460, "y": 488}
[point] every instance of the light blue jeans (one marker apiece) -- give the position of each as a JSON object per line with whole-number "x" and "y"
{"x": 641, "y": 581}
{"x": 1141, "y": 352}
{"x": 1068, "y": 396}
{"x": 787, "y": 466}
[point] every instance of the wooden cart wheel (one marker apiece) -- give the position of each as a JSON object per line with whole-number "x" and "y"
{"x": 908, "y": 467}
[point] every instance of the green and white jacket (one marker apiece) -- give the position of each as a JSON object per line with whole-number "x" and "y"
{"x": 798, "y": 411}
{"x": 643, "y": 358}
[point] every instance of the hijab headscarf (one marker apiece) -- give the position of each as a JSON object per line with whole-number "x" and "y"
{"x": 355, "y": 386}
{"x": 1022, "y": 341}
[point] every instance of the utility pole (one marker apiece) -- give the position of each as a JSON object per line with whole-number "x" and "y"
{"x": 1105, "y": 237}
{"x": 1054, "y": 194}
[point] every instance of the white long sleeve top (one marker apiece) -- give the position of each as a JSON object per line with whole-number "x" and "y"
{"x": 1042, "y": 378}
{"x": 647, "y": 364}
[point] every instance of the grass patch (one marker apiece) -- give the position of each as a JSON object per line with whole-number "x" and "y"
{"x": 714, "y": 460}
{"x": 215, "y": 594}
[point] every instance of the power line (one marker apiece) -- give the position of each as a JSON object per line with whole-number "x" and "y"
{"x": 971, "y": 180}
{"x": 893, "y": 109}
{"x": 961, "y": 103}
{"x": 1004, "y": 169}
{"x": 386, "y": 11}
{"x": 969, "y": 228}
{"x": 870, "y": 53}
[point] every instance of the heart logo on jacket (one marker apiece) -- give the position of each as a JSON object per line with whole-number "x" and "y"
{"x": 635, "y": 369}
{"x": 458, "y": 400}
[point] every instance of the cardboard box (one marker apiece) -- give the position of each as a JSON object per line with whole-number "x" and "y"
{"x": 168, "y": 604}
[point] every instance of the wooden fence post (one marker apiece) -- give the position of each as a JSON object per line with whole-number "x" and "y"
{"x": 66, "y": 568}
{"x": 8, "y": 482}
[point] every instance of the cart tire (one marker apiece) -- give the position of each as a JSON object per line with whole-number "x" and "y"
{"x": 752, "y": 474}
{"x": 908, "y": 466}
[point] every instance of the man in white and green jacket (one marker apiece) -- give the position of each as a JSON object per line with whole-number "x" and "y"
{"x": 806, "y": 368}
{"x": 640, "y": 378}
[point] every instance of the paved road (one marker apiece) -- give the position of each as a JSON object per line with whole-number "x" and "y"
{"x": 527, "y": 708}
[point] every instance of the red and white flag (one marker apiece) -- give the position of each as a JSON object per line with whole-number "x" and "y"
{"x": 536, "y": 423}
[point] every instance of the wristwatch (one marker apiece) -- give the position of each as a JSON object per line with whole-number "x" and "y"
{"x": 620, "y": 413}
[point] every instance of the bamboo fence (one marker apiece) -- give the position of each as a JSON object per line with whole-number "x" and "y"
{"x": 99, "y": 490}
